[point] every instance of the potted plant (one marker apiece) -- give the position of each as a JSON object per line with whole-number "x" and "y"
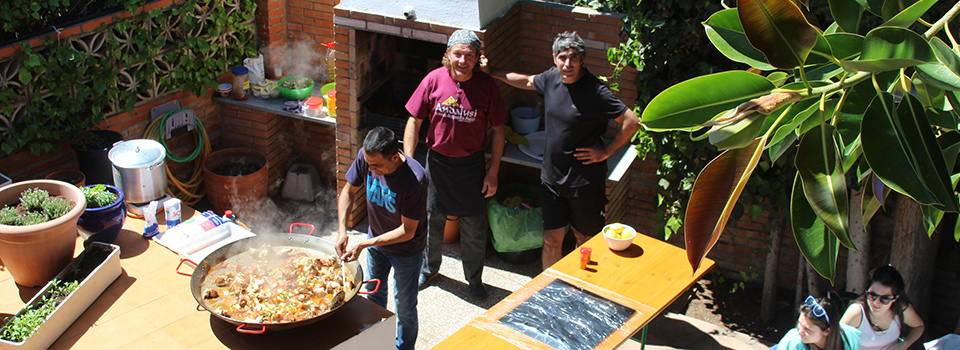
{"x": 52, "y": 310}
{"x": 103, "y": 218}
{"x": 71, "y": 176}
{"x": 36, "y": 244}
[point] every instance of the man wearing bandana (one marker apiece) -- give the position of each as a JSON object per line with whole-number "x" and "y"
{"x": 459, "y": 103}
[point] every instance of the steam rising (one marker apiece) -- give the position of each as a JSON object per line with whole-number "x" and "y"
{"x": 306, "y": 59}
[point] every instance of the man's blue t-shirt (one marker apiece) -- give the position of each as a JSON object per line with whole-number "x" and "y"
{"x": 401, "y": 193}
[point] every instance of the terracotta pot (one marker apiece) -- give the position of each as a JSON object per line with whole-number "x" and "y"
{"x": 70, "y": 176}
{"x": 34, "y": 254}
{"x": 240, "y": 193}
{"x": 451, "y": 232}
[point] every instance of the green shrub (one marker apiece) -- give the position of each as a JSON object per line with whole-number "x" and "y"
{"x": 20, "y": 328}
{"x": 98, "y": 196}
{"x": 8, "y": 215}
{"x": 55, "y": 207}
{"x": 36, "y": 207}
{"x": 32, "y": 199}
{"x": 32, "y": 218}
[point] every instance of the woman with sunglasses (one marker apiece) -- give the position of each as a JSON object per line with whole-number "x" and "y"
{"x": 882, "y": 311}
{"x": 819, "y": 328}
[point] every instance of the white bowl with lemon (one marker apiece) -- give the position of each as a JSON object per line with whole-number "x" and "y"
{"x": 618, "y": 236}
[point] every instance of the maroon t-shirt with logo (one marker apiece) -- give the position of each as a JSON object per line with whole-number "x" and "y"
{"x": 459, "y": 112}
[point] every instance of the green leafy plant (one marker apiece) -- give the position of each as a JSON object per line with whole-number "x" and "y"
{"x": 98, "y": 196}
{"x": 68, "y": 85}
{"x": 36, "y": 207}
{"x": 19, "y": 328}
{"x": 879, "y": 109}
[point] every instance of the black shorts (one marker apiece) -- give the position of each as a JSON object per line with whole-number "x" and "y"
{"x": 581, "y": 207}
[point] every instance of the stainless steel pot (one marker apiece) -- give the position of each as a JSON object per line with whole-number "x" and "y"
{"x": 139, "y": 169}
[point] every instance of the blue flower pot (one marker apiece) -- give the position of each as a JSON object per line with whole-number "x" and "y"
{"x": 103, "y": 224}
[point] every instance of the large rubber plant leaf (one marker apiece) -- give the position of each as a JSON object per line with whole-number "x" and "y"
{"x": 824, "y": 183}
{"x": 778, "y": 29}
{"x": 814, "y": 239}
{"x": 931, "y": 218}
{"x": 899, "y": 146}
{"x": 871, "y": 202}
{"x": 797, "y": 114}
{"x": 944, "y": 74}
{"x": 821, "y": 51}
{"x": 687, "y": 105}
{"x": 847, "y": 14}
{"x": 891, "y": 8}
{"x": 738, "y": 134}
{"x": 928, "y": 153}
{"x": 930, "y": 97}
{"x": 874, "y": 6}
{"x": 889, "y": 48}
{"x": 714, "y": 195}
{"x": 725, "y": 32}
{"x": 845, "y": 46}
{"x": 910, "y": 14}
{"x": 781, "y": 147}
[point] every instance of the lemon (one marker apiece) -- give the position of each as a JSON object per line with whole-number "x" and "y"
{"x": 616, "y": 228}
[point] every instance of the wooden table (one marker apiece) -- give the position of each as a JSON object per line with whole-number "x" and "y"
{"x": 647, "y": 277}
{"x": 151, "y": 306}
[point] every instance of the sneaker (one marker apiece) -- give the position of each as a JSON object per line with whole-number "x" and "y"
{"x": 478, "y": 293}
{"x": 425, "y": 280}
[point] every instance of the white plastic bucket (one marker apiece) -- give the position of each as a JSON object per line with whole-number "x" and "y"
{"x": 525, "y": 120}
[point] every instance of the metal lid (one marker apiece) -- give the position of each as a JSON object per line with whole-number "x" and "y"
{"x": 137, "y": 153}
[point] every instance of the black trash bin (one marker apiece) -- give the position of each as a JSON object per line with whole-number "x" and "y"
{"x": 92, "y": 147}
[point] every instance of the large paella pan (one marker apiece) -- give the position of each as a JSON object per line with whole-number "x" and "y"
{"x": 275, "y": 281}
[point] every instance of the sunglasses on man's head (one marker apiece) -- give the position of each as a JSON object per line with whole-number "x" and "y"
{"x": 884, "y": 299}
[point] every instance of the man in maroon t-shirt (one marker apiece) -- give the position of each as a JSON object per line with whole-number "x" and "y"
{"x": 459, "y": 103}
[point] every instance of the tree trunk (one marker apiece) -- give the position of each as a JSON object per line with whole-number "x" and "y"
{"x": 858, "y": 264}
{"x": 798, "y": 295}
{"x": 813, "y": 281}
{"x": 768, "y": 305}
{"x": 913, "y": 253}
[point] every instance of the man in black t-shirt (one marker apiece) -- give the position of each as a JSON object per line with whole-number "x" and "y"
{"x": 396, "y": 187}
{"x": 577, "y": 107}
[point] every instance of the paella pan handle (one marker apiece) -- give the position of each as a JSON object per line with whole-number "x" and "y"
{"x": 181, "y": 264}
{"x": 302, "y": 224}
{"x": 240, "y": 329}
{"x": 374, "y": 289}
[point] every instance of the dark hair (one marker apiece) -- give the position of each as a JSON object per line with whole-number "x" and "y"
{"x": 888, "y": 276}
{"x": 569, "y": 40}
{"x": 831, "y": 304}
{"x": 381, "y": 140}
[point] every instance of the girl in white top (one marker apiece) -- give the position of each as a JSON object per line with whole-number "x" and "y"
{"x": 882, "y": 311}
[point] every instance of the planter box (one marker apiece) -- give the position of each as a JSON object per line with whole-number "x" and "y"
{"x": 77, "y": 302}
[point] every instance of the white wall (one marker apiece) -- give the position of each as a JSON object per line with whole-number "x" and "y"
{"x": 467, "y": 14}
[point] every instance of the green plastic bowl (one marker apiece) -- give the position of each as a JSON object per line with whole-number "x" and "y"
{"x": 327, "y": 87}
{"x": 294, "y": 94}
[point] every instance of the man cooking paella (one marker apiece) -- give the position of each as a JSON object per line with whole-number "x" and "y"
{"x": 396, "y": 187}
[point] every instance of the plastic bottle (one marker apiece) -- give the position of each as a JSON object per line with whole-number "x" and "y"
{"x": 331, "y": 63}
{"x": 241, "y": 82}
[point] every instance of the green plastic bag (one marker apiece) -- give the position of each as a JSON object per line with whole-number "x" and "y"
{"x": 515, "y": 230}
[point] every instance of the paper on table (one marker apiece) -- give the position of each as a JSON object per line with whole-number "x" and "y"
{"x": 197, "y": 246}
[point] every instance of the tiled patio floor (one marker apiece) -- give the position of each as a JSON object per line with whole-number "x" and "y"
{"x": 159, "y": 311}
